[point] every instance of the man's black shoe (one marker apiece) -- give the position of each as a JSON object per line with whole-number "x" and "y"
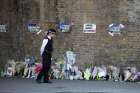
{"x": 47, "y": 81}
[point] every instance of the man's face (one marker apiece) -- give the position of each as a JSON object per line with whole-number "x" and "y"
{"x": 52, "y": 34}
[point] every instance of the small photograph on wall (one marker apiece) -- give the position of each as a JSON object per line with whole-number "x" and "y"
{"x": 3, "y": 28}
{"x": 33, "y": 26}
{"x": 89, "y": 28}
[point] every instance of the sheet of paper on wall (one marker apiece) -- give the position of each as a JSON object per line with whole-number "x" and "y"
{"x": 89, "y": 28}
{"x": 71, "y": 57}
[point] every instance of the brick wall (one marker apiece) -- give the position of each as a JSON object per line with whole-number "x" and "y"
{"x": 99, "y": 47}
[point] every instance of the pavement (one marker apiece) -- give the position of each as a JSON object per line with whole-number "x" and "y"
{"x": 20, "y": 85}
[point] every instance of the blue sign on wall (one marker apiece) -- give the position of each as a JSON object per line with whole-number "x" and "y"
{"x": 64, "y": 27}
{"x": 33, "y": 26}
{"x": 3, "y": 28}
{"x": 115, "y": 29}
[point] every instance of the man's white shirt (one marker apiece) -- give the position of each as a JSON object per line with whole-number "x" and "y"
{"x": 44, "y": 43}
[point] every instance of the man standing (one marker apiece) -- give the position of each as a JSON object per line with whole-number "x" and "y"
{"x": 46, "y": 53}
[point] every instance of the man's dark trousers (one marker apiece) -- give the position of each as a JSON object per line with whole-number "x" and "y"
{"x": 46, "y": 65}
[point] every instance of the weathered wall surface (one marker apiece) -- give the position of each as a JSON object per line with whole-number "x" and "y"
{"x": 17, "y": 42}
{"x": 6, "y": 40}
{"x": 99, "y": 47}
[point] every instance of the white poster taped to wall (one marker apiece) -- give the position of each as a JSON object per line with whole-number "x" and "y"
{"x": 89, "y": 28}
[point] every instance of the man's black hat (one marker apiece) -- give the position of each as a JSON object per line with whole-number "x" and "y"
{"x": 51, "y": 30}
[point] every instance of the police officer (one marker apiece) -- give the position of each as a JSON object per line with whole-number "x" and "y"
{"x": 46, "y": 53}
